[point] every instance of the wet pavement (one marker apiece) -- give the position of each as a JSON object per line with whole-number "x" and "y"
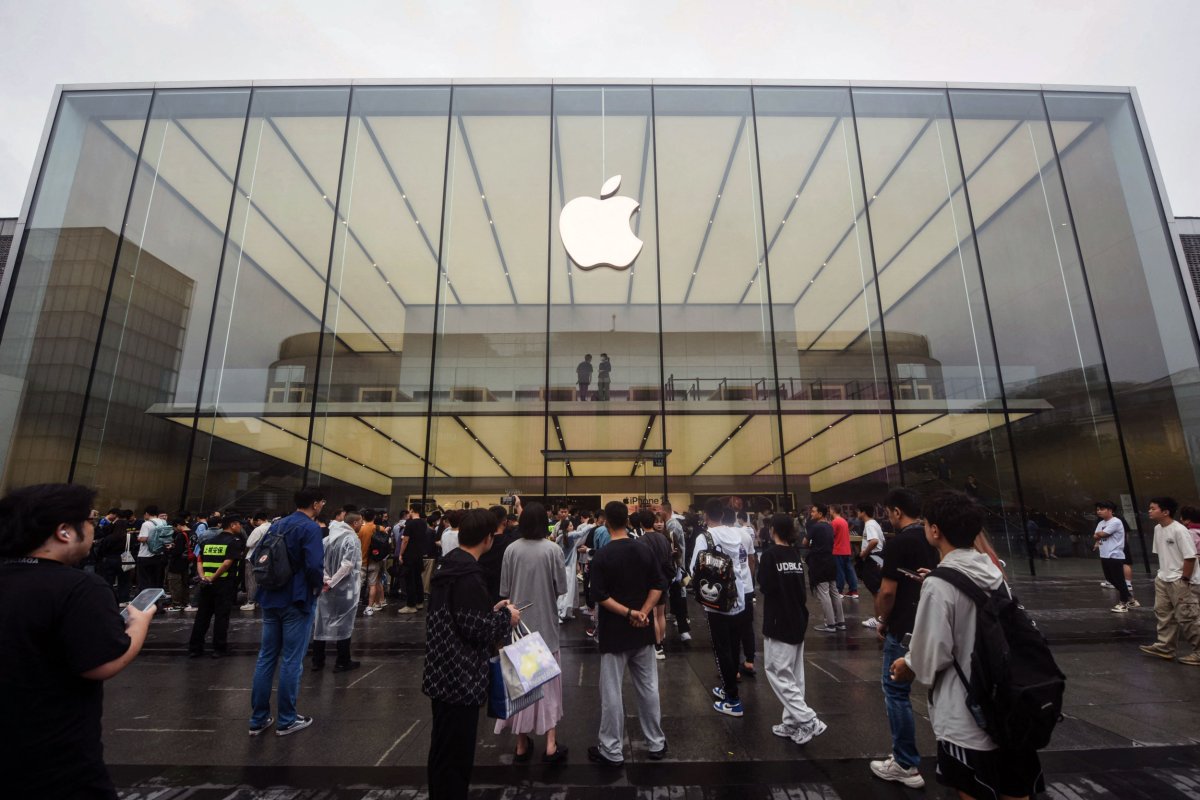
{"x": 176, "y": 727}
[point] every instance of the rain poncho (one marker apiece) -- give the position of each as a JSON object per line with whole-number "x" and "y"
{"x": 569, "y": 543}
{"x": 336, "y": 608}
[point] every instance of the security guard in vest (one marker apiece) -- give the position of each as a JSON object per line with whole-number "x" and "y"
{"x": 217, "y": 568}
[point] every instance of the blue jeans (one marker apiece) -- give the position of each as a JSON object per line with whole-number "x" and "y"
{"x": 845, "y": 573}
{"x": 899, "y": 708}
{"x": 285, "y": 633}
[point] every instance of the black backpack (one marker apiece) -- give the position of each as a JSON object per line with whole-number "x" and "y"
{"x": 1016, "y": 689}
{"x": 273, "y": 568}
{"x": 713, "y": 579}
{"x": 380, "y": 547}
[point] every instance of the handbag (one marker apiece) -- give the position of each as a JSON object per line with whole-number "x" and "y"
{"x": 500, "y": 704}
{"x": 527, "y": 663}
{"x": 127, "y": 560}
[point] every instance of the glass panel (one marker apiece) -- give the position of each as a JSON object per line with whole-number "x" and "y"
{"x": 1140, "y": 306}
{"x": 605, "y": 396}
{"x": 949, "y": 411}
{"x": 1061, "y": 418}
{"x": 838, "y": 438}
{"x": 156, "y": 326}
{"x": 373, "y": 391}
{"x": 717, "y": 351}
{"x": 488, "y": 405}
{"x": 57, "y": 294}
{"x": 257, "y": 392}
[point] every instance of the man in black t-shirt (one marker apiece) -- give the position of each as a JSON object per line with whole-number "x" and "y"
{"x": 62, "y": 636}
{"x": 906, "y": 560}
{"x": 626, "y": 585}
{"x": 415, "y": 545}
{"x": 217, "y": 569}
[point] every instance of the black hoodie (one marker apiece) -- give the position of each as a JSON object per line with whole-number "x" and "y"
{"x": 461, "y": 632}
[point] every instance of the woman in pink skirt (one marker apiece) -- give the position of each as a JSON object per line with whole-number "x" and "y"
{"x": 533, "y": 574}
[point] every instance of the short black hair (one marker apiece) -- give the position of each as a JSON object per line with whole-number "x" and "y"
{"x": 783, "y": 526}
{"x": 368, "y": 514}
{"x": 309, "y": 496}
{"x": 453, "y": 517}
{"x": 617, "y": 514}
{"x": 500, "y": 513}
{"x": 152, "y": 510}
{"x": 1189, "y": 513}
{"x": 1106, "y": 504}
{"x": 477, "y": 525}
{"x": 114, "y": 511}
{"x": 350, "y": 508}
{"x": 822, "y": 509}
{"x": 1167, "y": 504}
{"x": 904, "y": 500}
{"x": 958, "y": 517}
{"x": 30, "y": 515}
{"x": 866, "y": 508}
{"x": 417, "y": 508}
{"x": 533, "y": 523}
{"x": 231, "y": 520}
{"x": 714, "y": 508}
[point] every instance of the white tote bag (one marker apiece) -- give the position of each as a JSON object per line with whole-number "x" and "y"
{"x": 527, "y": 663}
{"x": 127, "y": 560}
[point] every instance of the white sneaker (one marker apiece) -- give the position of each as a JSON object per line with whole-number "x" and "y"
{"x": 249, "y": 607}
{"x": 1133, "y": 603}
{"x": 783, "y": 731}
{"x": 871, "y": 622}
{"x": 889, "y": 770}
{"x": 407, "y": 610}
{"x": 806, "y": 733}
{"x": 1119, "y": 608}
{"x": 685, "y": 637}
{"x": 369, "y": 612}
{"x": 1107, "y": 585}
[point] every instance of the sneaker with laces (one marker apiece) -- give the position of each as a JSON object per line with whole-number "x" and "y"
{"x": 659, "y": 653}
{"x": 784, "y": 731}
{"x": 299, "y": 724}
{"x": 1119, "y": 608}
{"x": 1133, "y": 603}
{"x": 728, "y": 709}
{"x": 718, "y": 692}
{"x": 809, "y": 731}
{"x": 889, "y": 770}
{"x": 871, "y": 622}
{"x": 841, "y": 626}
{"x": 1157, "y": 649}
{"x": 1191, "y": 659}
{"x": 826, "y": 628}
{"x": 249, "y": 607}
{"x": 258, "y": 731}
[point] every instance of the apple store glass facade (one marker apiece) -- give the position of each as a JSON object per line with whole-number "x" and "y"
{"x": 223, "y": 293}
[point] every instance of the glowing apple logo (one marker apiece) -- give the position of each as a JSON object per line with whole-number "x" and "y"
{"x": 596, "y": 233}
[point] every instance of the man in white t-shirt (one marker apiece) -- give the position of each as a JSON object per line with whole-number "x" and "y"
{"x": 1176, "y": 609}
{"x": 724, "y": 626}
{"x": 870, "y": 554}
{"x": 1110, "y": 541}
{"x": 262, "y": 523}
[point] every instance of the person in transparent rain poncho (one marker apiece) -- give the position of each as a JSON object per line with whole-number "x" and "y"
{"x": 569, "y": 535}
{"x": 337, "y": 606}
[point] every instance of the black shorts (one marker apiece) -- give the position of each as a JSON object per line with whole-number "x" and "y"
{"x": 987, "y": 774}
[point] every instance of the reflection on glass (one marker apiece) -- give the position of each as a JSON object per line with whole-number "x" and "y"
{"x": 59, "y": 288}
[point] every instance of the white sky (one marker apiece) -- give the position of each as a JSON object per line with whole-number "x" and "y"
{"x": 1150, "y": 44}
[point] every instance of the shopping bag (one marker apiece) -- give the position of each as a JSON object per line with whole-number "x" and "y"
{"x": 500, "y": 705}
{"x": 527, "y": 663}
{"x": 127, "y": 562}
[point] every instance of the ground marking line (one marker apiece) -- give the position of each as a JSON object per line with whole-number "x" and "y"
{"x": 393, "y": 747}
{"x": 377, "y": 668}
{"x": 827, "y": 672}
{"x": 165, "y": 730}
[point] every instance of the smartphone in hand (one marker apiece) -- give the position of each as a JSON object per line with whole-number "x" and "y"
{"x": 145, "y": 599}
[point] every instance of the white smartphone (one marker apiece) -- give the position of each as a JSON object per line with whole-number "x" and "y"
{"x": 145, "y": 599}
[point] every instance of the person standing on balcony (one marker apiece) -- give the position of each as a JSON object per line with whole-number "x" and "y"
{"x": 605, "y": 377}
{"x": 583, "y": 376}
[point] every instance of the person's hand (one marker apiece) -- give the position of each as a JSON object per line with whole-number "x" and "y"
{"x": 325, "y": 587}
{"x": 501, "y": 605}
{"x": 514, "y": 614}
{"x": 137, "y": 616}
{"x": 638, "y": 619}
{"x": 881, "y": 630}
{"x": 923, "y": 572}
{"x": 900, "y": 671}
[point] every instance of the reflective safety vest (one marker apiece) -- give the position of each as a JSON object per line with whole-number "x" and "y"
{"x": 212, "y": 556}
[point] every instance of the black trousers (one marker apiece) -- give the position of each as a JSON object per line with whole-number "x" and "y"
{"x": 343, "y": 652}
{"x": 726, "y": 640}
{"x": 150, "y": 572}
{"x": 679, "y": 606}
{"x": 110, "y": 570}
{"x": 1114, "y": 573}
{"x": 746, "y": 629}
{"x": 452, "y": 750}
{"x": 414, "y": 589}
{"x": 214, "y": 600}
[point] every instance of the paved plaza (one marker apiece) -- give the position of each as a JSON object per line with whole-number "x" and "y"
{"x": 176, "y": 727}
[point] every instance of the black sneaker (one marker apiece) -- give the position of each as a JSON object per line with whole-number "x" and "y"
{"x": 596, "y": 757}
{"x": 256, "y": 731}
{"x": 301, "y": 722}
{"x": 658, "y": 755}
{"x": 347, "y": 667}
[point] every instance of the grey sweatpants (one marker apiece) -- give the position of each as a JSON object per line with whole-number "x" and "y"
{"x": 831, "y": 603}
{"x": 785, "y": 672}
{"x": 644, "y": 672}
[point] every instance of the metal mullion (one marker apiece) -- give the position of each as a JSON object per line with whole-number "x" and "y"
{"x": 662, "y": 377}
{"x": 766, "y": 261}
{"x": 112, "y": 278}
{"x": 1087, "y": 290}
{"x": 987, "y": 307}
{"x": 437, "y": 299}
{"x": 549, "y": 277}
{"x": 212, "y": 316}
{"x": 887, "y": 361}
{"x": 312, "y": 416}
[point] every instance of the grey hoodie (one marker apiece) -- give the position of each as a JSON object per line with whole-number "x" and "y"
{"x": 944, "y": 632}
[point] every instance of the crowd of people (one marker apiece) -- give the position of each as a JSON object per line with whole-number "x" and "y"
{"x": 479, "y": 574}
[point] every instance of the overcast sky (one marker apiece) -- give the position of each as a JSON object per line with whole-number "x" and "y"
{"x": 1150, "y": 44}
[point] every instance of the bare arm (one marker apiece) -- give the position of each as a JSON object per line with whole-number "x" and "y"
{"x": 138, "y": 627}
{"x": 885, "y": 599}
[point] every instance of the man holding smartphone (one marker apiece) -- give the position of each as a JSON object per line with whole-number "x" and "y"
{"x": 906, "y": 559}
{"x": 63, "y": 636}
